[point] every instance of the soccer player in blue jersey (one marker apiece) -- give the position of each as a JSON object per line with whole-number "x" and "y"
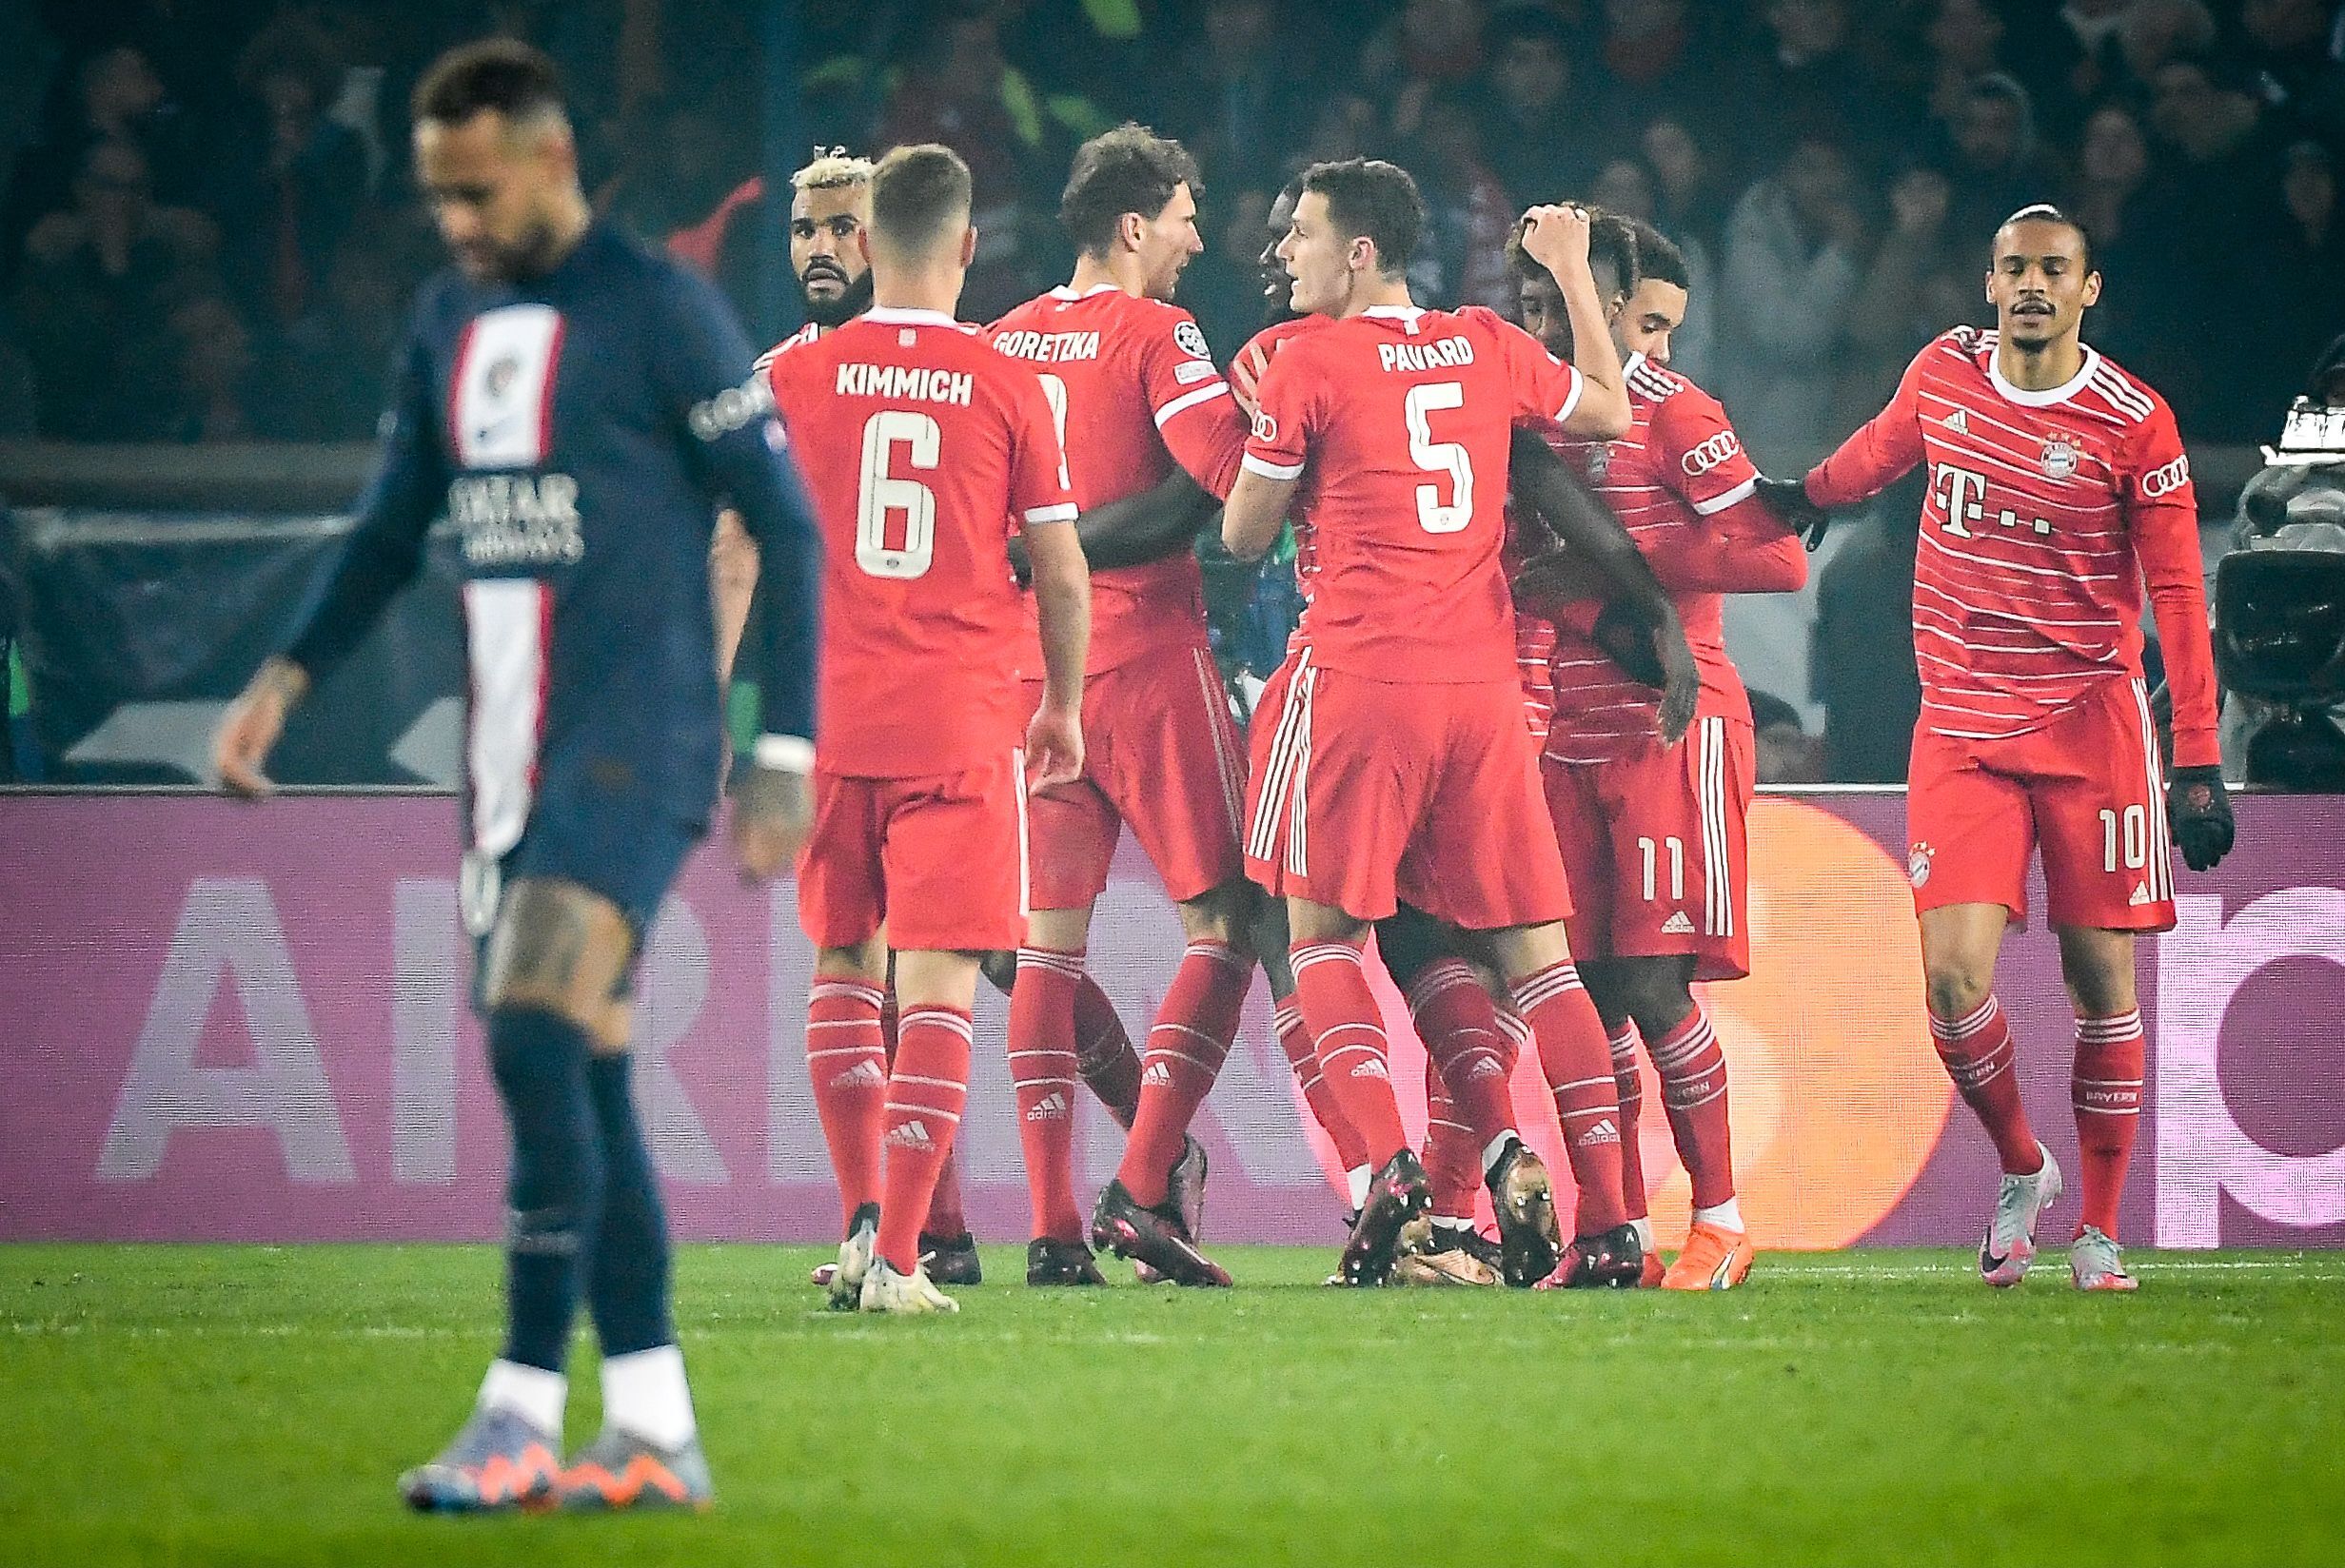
{"x": 578, "y": 407}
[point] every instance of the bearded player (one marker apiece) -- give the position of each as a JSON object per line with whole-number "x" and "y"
{"x": 1402, "y": 765}
{"x": 920, "y": 785}
{"x": 2057, "y": 491}
{"x": 1137, "y": 395}
{"x": 829, "y": 205}
{"x": 1654, "y": 836}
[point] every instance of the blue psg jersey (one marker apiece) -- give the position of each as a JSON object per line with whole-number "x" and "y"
{"x": 581, "y": 429}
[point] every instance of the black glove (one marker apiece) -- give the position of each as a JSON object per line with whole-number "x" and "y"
{"x": 1788, "y": 499}
{"x": 2198, "y": 812}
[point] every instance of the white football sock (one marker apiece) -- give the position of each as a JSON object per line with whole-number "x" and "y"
{"x": 1359, "y": 1176}
{"x": 535, "y": 1393}
{"x": 1643, "y": 1224}
{"x": 644, "y": 1392}
{"x": 1725, "y": 1216}
{"x": 1496, "y": 1147}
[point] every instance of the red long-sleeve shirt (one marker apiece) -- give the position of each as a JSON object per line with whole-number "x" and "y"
{"x": 2047, "y": 514}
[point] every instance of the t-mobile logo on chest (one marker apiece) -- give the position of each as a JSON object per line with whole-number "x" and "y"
{"x": 1963, "y": 492}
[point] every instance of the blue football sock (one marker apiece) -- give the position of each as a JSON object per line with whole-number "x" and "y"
{"x": 555, "y": 1195}
{"x": 627, "y": 1285}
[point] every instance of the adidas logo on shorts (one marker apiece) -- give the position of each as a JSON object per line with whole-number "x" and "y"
{"x": 864, "y": 1074}
{"x": 1677, "y": 925}
{"x": 1051, "y": 1107}
{"x": 2141, "y": 894}
{"x": 912, "y": 1135}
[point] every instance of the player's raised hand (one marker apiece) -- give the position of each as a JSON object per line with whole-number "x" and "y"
{"x": 773, "y": 812}
{"x": 1053, "y": 746}
{"x": 2198, "y": 809}
{"x": 1556, "y": 237}
{"x": 1788, "y": 501}
{"x": 248, "y": 731}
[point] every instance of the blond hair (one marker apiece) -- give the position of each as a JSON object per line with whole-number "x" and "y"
{"x": 833, "y": 168}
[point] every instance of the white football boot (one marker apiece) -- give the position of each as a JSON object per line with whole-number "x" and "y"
{"x": 854, "y": 1259}
{"x": 2009, "y": 1246}
{"x": 2095, "y": 1263}
{"x": 884, "y": 1290}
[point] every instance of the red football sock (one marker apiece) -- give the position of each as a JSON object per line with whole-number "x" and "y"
{"x": 945, "y": 1218}
{"x": 1186, "y": 1047}
{"x": 1459, "y": 1025}
{"x": 1452, "y": 1155}
{"x": 925, "y": 1096}
{"x": 1042, "y": 1074}
{"x": 1693, "y": 1093}
{"x": 847, "y": 1061}
{"x": 1340, "y": 1011}
{"x": 1103, "y": 1053}
{"x": 1578, "y": 1064}
{"x": 1630, "y": 1084}
{"x": 1977, "y": 1052}
{"x": 2106, "y": 1089}
{"x": 1294, "y": 1039}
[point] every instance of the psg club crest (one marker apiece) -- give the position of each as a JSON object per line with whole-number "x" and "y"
{"x": 2060, "y": 458}
{"x": 1918, "y": 864}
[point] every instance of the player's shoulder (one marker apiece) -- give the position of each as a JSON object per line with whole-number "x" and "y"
{"x": 1144, "y": 315}
{"x": 1484, "y": 322}
{"x": 2128, "y": 397}
{"x": 1279, "y": 335}
{"x": 799, "y": 338}
{"x": 1959, "y": 349}
{"x": 1661, "y": 386}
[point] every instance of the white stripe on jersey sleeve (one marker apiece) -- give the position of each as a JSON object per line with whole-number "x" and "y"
{"x": 1269, "y": 470}
{"x": 1719, "y": 504}
{"x": 1063, "y": 512}
{"x": 1190, "y": 400}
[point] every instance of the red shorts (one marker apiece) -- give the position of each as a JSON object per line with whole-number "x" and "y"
{"x": 940, "y": 862}
{"x": 1657, "y": 848}
{"x": 1368, "y": 792}
{"x": 1162, "y": 754}
{"x": 2088, "y": 788}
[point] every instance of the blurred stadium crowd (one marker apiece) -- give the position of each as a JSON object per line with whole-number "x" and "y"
{"x": 209, "y": 232}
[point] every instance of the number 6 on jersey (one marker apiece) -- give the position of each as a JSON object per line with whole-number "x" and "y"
{"x": 880, "y": 495}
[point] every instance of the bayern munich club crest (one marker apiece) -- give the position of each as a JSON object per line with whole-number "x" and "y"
{"x": 1918, "y": 864}
{"x": 1599, "y": 462}
{"x": 2060, "y": 458}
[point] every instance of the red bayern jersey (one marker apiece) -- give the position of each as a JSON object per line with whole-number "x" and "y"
{"x": 2047, "y": 511}
{"x": 1254, "y": 359}
{"x": 924, "y": 450}
{"x": 1405, "y": 418}
{"x": 1682, "y": 484}
{"x": 1134, "y": 391}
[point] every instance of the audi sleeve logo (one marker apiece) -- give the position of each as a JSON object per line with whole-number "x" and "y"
{"x": 2161, "y": 482}
{"x": 1711, "y": 454}
{"x": 1266, "y": 428}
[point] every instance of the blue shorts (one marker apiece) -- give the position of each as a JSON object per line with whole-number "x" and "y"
{"x": 615, "y": 843}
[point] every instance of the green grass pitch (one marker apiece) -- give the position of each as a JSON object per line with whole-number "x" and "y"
{"x": 201, "y": 1405}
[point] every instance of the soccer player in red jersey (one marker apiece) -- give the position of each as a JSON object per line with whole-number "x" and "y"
{"x": 1136, "y": 395}
{"x": 2057, "y": 491}
{"x": 829, "y": 205}
{"x": 1654, "y": 835}
{"x": 1402, "y": 765}
{"x": 921, "y": 824}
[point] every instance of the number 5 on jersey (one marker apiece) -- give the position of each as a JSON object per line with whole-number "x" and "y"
{"x": 1439, "y": 458}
